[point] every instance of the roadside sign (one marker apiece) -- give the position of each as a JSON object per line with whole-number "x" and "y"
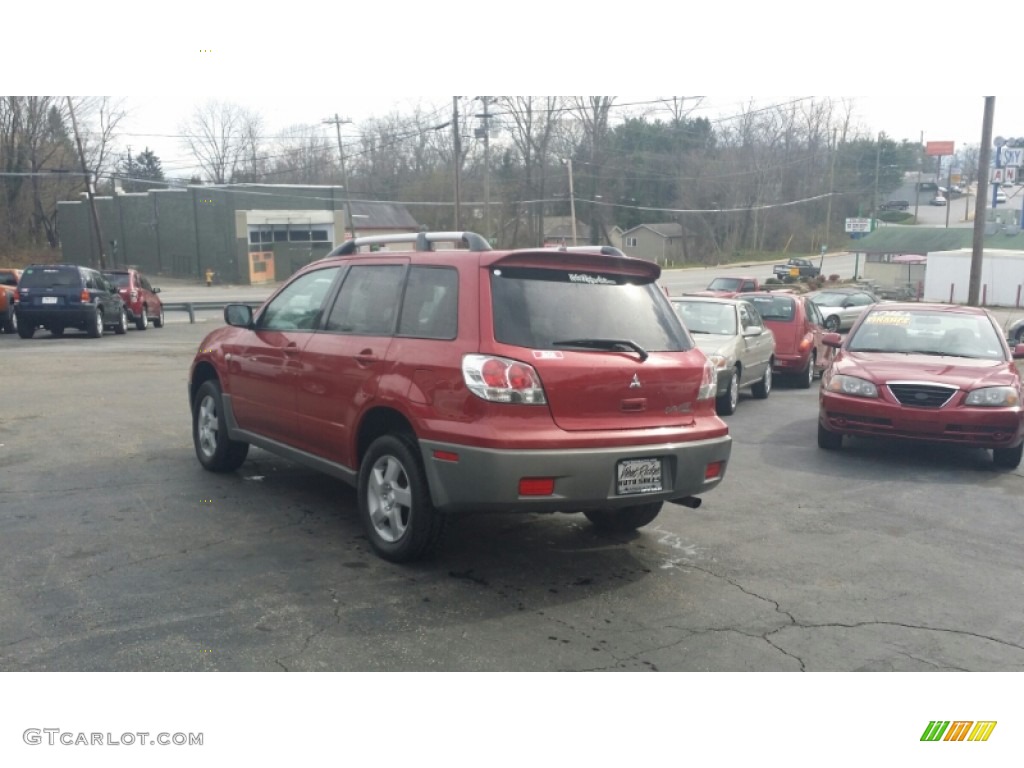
{"x": 941, "y": 148}
{"x": 1010, "y": 174}
{"x": 996, "y": 175}
{"x": 858, "y": 225}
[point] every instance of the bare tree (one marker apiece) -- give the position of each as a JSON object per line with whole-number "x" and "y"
{"x": 222, "y": 137}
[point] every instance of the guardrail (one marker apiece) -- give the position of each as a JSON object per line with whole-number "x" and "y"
{"x": 192, "y": 306}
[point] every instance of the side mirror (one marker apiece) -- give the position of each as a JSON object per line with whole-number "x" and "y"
{"x": 1018, "y": 352}
{"x": 238, "y": 315}
{"x": 156, "y": 290}
{"x": 833, "y": 340}
{"x": 753, "y": 330}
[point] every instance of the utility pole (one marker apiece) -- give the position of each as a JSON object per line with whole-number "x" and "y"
{"x": 831, "y": 191}
{"x": 88, "y": 186}
{"x": 337, "y": 121}
{"x": 985, "y": 157}
{"x": 487, "y": 166}
{"x": 572, "y": 200}
{"x": 458, "y": 156}
{"x": 878, "y": 162}
{"x": 917, "y": 189}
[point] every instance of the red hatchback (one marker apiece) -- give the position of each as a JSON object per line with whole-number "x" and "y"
{"x": 798, "y": 327}
{"x": 458, "y": 380}
{"x": 140, "y": 298}
{"x": 930, "y": 372}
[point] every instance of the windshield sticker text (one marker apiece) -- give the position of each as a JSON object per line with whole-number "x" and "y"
{"x": 576, "y": 277}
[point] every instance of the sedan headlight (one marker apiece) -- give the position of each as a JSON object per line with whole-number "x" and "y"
{"x": 720, "y": 362}
{"x": 851, "y": 385}
{"x": 994, "y": 396}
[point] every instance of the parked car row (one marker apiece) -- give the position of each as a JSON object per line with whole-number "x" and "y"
{"x": 61, "y": 296}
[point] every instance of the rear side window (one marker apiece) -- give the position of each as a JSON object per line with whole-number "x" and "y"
{"x": 431, "y": 303}
{"x": 368, "y": 301}
{"x": 535, "y": 307}
{"x": 50, "y": 277}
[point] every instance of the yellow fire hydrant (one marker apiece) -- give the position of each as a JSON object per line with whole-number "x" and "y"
{"x": 209, "y": 277}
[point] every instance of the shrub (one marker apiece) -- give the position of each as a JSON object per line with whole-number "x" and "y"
{"x": 833, "y": 278}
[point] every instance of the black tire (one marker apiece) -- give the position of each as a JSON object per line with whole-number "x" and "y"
{"x": 832, "y": 324}
{"x": 26, "y": 331}
{"x": 122, "y": 323}
{"x": 829, "y": 441}
{"x": 1007, "y": 458}
{"x": 804, "y": 380}
{"x": 624, "y": 519}
{"x": 142, "y": 321}
{"x": 57, "y": 331}
{"x": 763, "y": 388}
{"x": 394, "y": 501}
{"x": 726, "y": 404}
{"x": 158, "y": 321}
{"x": 95, "y": 330}
{"x": 215, "y": 451}
{"x": 10, "y": 324}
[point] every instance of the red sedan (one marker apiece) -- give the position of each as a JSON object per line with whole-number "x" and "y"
{"x": 930, "y": 372}
{"x": 798, "y": 326}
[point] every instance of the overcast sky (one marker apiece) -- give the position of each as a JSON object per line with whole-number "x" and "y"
{"x": 320, "y": 58}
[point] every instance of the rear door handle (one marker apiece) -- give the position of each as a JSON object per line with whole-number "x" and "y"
{"x": 366, "y": 357}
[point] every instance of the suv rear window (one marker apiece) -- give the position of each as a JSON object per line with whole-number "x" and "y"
{"x": 773, "y": 307}
{"x": 50, "y": 277}
{"x": 536, "y": 307}
{"x": 120, "y": 279}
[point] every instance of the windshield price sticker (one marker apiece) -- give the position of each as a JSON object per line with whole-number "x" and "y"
{"x": 888, "y": 318}
{"x": 639, "y": 476}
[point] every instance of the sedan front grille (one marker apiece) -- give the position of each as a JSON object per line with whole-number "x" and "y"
{"x": 921, "y": 395}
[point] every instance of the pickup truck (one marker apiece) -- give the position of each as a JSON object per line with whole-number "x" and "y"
{"x": 795, "y": 269}
{"x": 8, "y": 292}
{"x": 730, "y": 287}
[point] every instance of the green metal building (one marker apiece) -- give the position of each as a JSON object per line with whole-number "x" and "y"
{"x": 227, "y": 229}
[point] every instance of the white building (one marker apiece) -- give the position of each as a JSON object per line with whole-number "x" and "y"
{"x": 1002, "y": 277}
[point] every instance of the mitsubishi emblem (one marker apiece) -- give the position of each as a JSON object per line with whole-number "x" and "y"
{"x": 635, "y": 383}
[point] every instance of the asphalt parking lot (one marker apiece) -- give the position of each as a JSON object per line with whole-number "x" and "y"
{"x": 117, "y": 552}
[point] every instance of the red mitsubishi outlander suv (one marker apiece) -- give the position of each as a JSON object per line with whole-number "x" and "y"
{"x": 438, "y": 382}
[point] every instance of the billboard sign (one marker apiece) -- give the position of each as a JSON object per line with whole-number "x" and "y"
{"x": 938, "y": 148}
{"x": 858, "y": 225}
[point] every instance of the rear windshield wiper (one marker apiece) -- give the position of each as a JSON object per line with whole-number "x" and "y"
{"x": 609, "y": 344}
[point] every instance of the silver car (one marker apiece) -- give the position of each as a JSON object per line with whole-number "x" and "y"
{"x": 842, "y": 306}
{"x": 735, "y": 338}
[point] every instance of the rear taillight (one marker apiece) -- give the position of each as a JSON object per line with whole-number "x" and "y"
{"x": 134, "y": 295}
{"x": 502, "y": 380}
{"x": 708, "y": 381}
{"x": 84, "y": 297}
{"x": 805, "y": 345}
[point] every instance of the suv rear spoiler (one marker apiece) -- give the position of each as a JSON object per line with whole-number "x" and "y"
{"x": 424, "y": 241}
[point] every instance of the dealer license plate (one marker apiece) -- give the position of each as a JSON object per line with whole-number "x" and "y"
{"x": 639, "y": 476}
{"x": 49, "y": 299}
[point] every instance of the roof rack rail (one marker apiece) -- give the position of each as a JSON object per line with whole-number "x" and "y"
{"x": 423, "y": 241}
{"x": 606, "y": 250}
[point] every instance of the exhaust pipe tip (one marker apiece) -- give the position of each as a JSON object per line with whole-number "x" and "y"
{"x": 689, "y": 501}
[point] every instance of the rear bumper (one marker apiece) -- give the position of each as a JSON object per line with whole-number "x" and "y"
{"x": 67, "y": 316}
{"x": 976, "y": 427}
{"x": 487, "y": 480}
{"x": 783, "y": 363}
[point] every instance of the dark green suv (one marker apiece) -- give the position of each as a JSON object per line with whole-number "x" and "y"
{"x": 59, "y": 296}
